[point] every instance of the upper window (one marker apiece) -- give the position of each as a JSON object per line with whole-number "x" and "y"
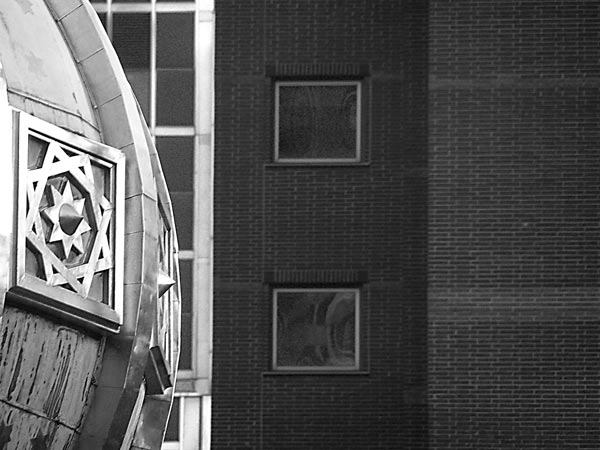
{"x": 317, "y": 121}
{"x": 315, "y": 329}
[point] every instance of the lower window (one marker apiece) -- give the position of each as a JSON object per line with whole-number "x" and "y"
{"x": 315, "y": 329}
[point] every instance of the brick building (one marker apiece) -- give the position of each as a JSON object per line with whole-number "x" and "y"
{"x": 513, "y": 232}
{"x": 406, "y": 225}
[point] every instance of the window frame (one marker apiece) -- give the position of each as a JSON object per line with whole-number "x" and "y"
{"x": 338, "y": 82}
{"x": 317, "y": 369}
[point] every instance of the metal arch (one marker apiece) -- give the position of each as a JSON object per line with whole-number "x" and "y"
{"x": 167, "y": 215}
{"x": 156, "y": 408}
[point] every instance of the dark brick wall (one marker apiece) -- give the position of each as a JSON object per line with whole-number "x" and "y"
{"x": 514, "y": 225}
{"x": 504, "y": 203}
{"x": 321, "y": 223}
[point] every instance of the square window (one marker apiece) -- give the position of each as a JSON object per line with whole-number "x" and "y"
{"x": 317, "y": 121}
{"x": 315, "y": 329}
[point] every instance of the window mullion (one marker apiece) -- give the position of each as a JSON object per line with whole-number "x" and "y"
{"x": 153, "y": 21}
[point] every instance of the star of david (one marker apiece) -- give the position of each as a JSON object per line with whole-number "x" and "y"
{"x": 67, "y": 218}
{"x": 68, "y": 223}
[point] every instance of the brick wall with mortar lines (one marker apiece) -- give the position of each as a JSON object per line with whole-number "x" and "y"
{"x": 320, "y": 221}
{"x": 513, "y": 225}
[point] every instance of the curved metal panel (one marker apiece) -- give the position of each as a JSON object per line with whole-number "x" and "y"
{"x": 166, "y": 336}
{"x": 41, "y": 74}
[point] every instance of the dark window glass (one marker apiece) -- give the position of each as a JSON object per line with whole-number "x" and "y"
{"x": 175, "y": 97}
{"x": 177, "y": 160}
{"x": 317, "y": 121}
{"x": 140, "y": 83}
{"x": 172, "y": 432}
{"x": 183, "y": 209}
{"x": 185, "y": 350}
{"x": 185, "y": 277}
{"x": 175, "y": 40}
{"x": 131, "y": 39}
{"x": 316, "y": 329}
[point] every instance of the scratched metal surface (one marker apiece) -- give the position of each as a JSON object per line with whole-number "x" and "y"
{"x": 46, "y": 380}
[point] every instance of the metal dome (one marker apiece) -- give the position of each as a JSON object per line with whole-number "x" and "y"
{"x": 90, "y": 342}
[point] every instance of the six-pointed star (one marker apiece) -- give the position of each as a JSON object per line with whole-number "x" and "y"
{"x": 68, "y": 223}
